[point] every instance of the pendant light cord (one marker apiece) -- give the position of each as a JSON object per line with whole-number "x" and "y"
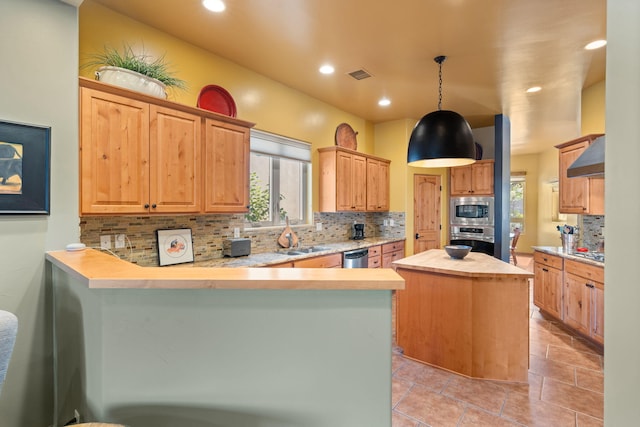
{"x": 440, "y": 59}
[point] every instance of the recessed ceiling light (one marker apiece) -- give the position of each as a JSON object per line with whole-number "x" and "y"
{"x": 327, "y": 69}
{"x": 384, "y": 102}
{"x": 595, "y": 44}
{"x": 534, "y": 89}
{"x": 214, "y": 5}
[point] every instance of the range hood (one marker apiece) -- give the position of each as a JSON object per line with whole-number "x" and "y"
{"x": 591, "y": 162}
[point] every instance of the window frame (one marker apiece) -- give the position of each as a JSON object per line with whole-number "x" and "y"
{"x": 518, "y": 177}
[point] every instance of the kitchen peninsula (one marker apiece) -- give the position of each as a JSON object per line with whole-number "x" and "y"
{"x": 157, "y": 346}
{"x": 469, "y": 316}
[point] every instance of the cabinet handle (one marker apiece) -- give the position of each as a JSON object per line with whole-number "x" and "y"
{"x": 580, "y": 304}
{"x": 146, "y": 205}
{"x": 589, "y": 285}
{"x": 545, "y": 270}
{"x": 154, "y": 206}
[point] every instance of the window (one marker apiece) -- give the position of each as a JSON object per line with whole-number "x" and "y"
{"x": 280, "y": 181}
{"x": 517, "y": 201}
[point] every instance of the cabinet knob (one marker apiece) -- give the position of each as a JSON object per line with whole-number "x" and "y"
{"x": 154, "y": 206}
{"x": 580, "y": 304}
{"x": 146, "y": 205}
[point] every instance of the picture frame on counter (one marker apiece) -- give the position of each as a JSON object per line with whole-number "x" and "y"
{"x": 25, "y": 163}
{"x": 175, "y": 246}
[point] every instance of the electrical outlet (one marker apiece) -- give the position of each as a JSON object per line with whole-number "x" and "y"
{"x": 236, "y": 232}
{"x": 385, "y": 222}
{"x": 120, "y": 241}
{"x": 392, "y": 223}
{"x": 318, "y": 226}
{"x": 105, "y": 241}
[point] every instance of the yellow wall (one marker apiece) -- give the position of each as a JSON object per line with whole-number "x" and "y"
{"x": 593, "y": 114}
{"x": 391, "y": 142}
{"x": 271, "y": 105}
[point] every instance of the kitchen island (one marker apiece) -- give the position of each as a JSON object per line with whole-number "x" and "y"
{"x": 197, "y": 346}
{"x": 469, "y": 316}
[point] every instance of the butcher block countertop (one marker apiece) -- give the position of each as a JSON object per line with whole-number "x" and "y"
{"x": 475, "y": 264}
{"x": 100, "y": 270}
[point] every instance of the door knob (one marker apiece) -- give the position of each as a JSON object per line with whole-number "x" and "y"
{"x": 417, "y": 236}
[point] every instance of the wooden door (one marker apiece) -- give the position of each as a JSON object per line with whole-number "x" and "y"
{"x": 426, "y": 209}
{"x": 344, "y": 184}
{"x": 175, "y": 178}
{"x": 482, "y": 178}
{"x": 577, "y": 299}
{"x": 574, "y": 192}
{"x": 553, "y": 291}
{"x": 114, "y": 154}
{"x": 226, "y": 167}
{"x": 597, "y": 312}
{"x": 461, "y": 180}
{"x": 359, "y": 183}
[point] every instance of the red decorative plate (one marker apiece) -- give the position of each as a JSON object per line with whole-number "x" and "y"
{"x": 217, "y": 99}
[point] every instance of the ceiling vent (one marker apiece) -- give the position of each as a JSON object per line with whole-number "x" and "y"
{"x": 360, "y": 74}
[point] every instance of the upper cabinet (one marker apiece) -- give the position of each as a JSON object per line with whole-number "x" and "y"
{"x": 144, "y": 155}
{"x": 352, "y": 181}
{"x": 579, "y": 195}
{"x": 475, "y": 179}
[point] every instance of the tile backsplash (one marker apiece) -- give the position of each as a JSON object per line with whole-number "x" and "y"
{"x": 208, "y": 232}
{"x": 592, "y": 231}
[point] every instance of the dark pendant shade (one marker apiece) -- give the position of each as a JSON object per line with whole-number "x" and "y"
{"x": 441, "y": 139}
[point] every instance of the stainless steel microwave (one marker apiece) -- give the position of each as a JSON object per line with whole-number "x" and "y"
{"x": 478, "y": 211}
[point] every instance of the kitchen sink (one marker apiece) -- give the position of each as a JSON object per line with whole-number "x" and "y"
{"x": 302, "y": 251}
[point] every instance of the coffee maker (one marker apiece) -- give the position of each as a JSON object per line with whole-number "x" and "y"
{"x": 358, "y": 231}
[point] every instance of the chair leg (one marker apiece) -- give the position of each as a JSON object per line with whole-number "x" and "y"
{"x": 513, "y": 255}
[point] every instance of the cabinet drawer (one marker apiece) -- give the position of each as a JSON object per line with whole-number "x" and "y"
{"x": 584, "y": 270}
{"x": 392, "y": 247}
{"x": 375, "y": 261}
{"x": 288, "y": 264}
{"x": 374, "y": 251}
{"x": 546, "y": 259}
{"x": 324, "y": 261}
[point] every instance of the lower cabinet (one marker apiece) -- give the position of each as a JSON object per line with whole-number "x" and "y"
{"x": 375, "y": 256}
{"x": 584, "y": 299}
{"x": 391, "y": 252}
{"x": 322, "y": 261}
{"x": 571, "y": 291}
{"x": 547, "y": 285}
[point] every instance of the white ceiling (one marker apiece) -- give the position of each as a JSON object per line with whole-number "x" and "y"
{"x": 496, "y": 49}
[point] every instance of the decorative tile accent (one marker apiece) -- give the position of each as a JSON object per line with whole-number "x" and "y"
{"x": 209, "y": 231}
{"x": 592, "y": 230}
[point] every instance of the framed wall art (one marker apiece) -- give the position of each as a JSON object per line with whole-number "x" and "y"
{"x": 25, "y": 154}
{"x": 174, "y": 246}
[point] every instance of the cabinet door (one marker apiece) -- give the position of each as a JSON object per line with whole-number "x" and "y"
{"x": 226, "y": 167}
{"x": 114, "y": 154}
{"x": 552, "y": 291}
{"x": 461, "y": 181}
{"x": 574, "y": 192}
{"x": 344, "y": 186}
{"x": 175, "y": 178}
{"x": 377, "y": 185}
{"x": 577, "y": 297}
{"x": 539, "y": 279}
{"x": 359, "y": 183}
{"x": 482, "y": 178}
{"x": 597, "y": 312}
{"x": 323, "y": 261}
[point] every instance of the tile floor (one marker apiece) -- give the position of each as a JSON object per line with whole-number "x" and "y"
{"x": 565, "y": 388}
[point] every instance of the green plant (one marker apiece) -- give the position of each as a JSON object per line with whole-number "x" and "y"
{"x": 141, "y": 63}
{"x": 258, "y": 200}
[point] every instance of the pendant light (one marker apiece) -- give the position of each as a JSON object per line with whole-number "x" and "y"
{"x": 441, "y": 138}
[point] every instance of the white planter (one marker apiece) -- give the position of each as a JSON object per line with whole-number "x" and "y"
{"x": 131, "y": 80}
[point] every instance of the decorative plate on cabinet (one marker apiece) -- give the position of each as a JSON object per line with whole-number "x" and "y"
{"x": 346, "y": 137}
{"x": 217, "y": 99}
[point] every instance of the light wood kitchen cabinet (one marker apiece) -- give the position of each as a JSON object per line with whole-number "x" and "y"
{"x": 579, "y": 195}
{"x": 584, "y": 299}
{"x": 475, "y": 179}
{"x": 547, "y": 285}
{"x": 226, "y": 157}
{"x": 136, "y": 157}
{"x": 391, "y": 252}
{"x": 288, "y": 264}
{"x": 322, "y": 261}
{"x": 144, "y": 155}
{"x": 377, "y": 185}
{"x": 344, "y": 181}
{"x": 375, "y": 257}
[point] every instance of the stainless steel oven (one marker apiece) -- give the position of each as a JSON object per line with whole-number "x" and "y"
{"x": 471, "y": 211}
{"x": 481, "y": 239}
